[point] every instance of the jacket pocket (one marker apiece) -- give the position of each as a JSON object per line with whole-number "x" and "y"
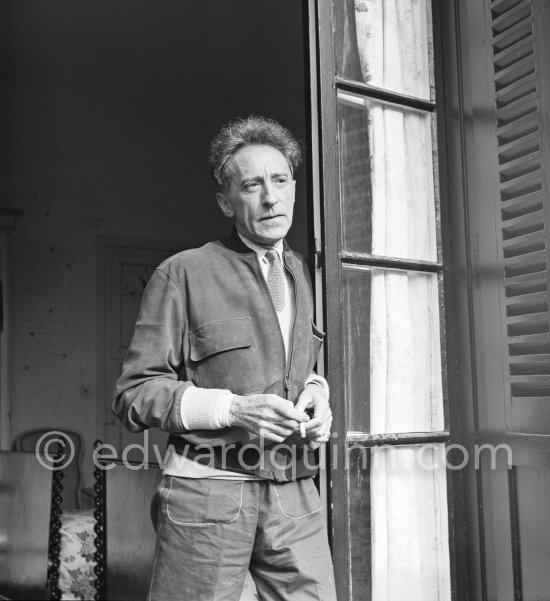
{"x": 226, "y": 356}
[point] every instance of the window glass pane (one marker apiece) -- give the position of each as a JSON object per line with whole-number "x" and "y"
{"x": 385, "y": 43}
{"x": 386, "y": 179}
{"x": 392, "y": 350}
{"x": 398, "y": 529}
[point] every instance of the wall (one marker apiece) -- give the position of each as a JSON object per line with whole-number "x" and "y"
{"x": 111, "y": 108}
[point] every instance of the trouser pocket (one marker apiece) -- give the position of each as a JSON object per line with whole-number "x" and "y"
{"x": 298, "y": 499}
{"x": 200, "y": 502}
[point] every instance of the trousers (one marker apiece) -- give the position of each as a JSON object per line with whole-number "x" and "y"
{"x": 211, "y": 532}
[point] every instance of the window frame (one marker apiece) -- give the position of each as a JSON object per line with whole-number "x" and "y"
{"x": 334, "y": 258}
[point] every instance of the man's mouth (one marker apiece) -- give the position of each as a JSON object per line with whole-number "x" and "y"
{"x": 267, "y": 217}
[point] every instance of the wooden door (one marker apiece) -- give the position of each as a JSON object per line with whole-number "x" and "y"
{"x": 384, "y": 311}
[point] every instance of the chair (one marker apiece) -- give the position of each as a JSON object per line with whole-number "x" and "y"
{"x": 126, "y": 541}
{"x": 28, "y": 441}
{"x": 29, "y": 527}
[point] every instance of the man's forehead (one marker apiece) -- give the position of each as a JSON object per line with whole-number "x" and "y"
{"x": 254, "y": 160}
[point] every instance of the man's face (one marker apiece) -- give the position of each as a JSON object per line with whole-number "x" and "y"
{"x": 260, "y": 195}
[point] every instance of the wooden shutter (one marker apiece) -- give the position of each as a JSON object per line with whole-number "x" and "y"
{"x": 523, "y": 222}
{"x": 498, "y": 185}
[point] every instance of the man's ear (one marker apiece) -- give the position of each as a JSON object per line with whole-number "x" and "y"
{"x": 225, "y": 205}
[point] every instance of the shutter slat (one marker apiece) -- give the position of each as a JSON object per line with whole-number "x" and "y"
{"x": 530, "y": 386}
{"x": 515, "y": 149}
{"x": 523, "y": 165}
{"x": 511, "y": 54}
{"x": 524, "y": 245}
{"x": 528, "y": 285}
{"x": 517, "y": 129}
{"x": 534, "y": 329}
{"x": 527, "y": 304}
{"x": 515, "y": 72}
{"x": 500, "y": 6}
{"x": 529, "y": 348}
{"x": 516, "y": 90}
{"x": 506, "y": 21}
{"x": 519, "y": 30}
{"x": 541, "y": 399}
{"x": 514, "y": 208}
{"x": 531, "y": 368}
{"x": 524, "y": 184}
{"x": 526, "y": 223}
{"x": 525, "y": 105}
{"x": 534, "y": 318}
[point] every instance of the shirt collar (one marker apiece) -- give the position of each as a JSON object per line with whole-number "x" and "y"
{"x": 260, "y": 250}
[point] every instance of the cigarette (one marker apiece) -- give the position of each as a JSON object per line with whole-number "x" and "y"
{"x": 303, "y": 429}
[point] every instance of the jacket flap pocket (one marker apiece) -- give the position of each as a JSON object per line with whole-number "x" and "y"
{"x": 219, "y": 336}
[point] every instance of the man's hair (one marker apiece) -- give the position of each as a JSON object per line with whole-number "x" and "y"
{"x": 236, "y": 134}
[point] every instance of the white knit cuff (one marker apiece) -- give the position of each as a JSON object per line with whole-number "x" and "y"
{"x": 205, "y": 408}
{"x": 320, "y": 381}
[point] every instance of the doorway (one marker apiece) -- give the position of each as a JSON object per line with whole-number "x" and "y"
{"x": 111, "y": 109}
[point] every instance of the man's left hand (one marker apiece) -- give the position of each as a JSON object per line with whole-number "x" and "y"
{"x": 314, "y": 398}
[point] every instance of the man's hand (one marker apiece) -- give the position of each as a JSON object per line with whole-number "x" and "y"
{"x": 266, "y": 415}
{"x": 313, "y": 397}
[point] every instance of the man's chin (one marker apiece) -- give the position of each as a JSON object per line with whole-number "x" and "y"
{"x": 273, "y": 232}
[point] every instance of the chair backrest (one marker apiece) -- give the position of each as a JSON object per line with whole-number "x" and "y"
{"x": 25, "y": 505}
{"x": 130, "y": 536}
{"x": 28, "y": 440}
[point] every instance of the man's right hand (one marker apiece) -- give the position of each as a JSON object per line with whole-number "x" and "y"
{"x": 266, "y": 415}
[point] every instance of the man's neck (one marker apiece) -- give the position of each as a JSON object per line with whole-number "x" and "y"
{"x": 260, "y": 248}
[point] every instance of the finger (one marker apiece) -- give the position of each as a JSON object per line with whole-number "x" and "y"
{"x": 291, "y": 413}
{"x": 326, "y": 426}
{"x": 325, "y": 422}
{"x": 314, "y": 424}
{"x": 322, "y": 410}
{"x": 276, "y": 429}
{"x": 304, "y": 402}
{"x": 319, "y": 429}
{"x": 271, "y": 437}
{"x": 322, "y": 436}
{"x": 289, "y": 424}
{"x": 272, "y": 417}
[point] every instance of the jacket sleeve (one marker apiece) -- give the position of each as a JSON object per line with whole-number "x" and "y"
{"x": 149, "y": 390}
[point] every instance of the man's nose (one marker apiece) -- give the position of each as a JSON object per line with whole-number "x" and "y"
{"x": 269, "y": 195}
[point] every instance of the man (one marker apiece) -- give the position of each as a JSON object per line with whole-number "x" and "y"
{"x": 222, "y": 359}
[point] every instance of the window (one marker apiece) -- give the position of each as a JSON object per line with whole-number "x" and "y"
{"x": 383, "y": 285}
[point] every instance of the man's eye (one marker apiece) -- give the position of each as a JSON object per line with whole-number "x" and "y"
{"x": 251, "y": 186}
{"x": 281, "y": 181}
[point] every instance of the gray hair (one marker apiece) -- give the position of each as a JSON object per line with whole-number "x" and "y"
{"x": 236, "y": 134}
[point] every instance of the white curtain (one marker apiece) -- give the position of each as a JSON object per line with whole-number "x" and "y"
{"x": 393, "y": 38}
{"x": 410, "y": 555}
{"x": 410, "y": 560}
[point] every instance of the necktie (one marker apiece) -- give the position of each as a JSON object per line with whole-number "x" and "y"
{"x": 275, "y": 279}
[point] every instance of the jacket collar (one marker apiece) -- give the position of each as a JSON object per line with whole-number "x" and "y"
{"x": 234, "y": 242}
